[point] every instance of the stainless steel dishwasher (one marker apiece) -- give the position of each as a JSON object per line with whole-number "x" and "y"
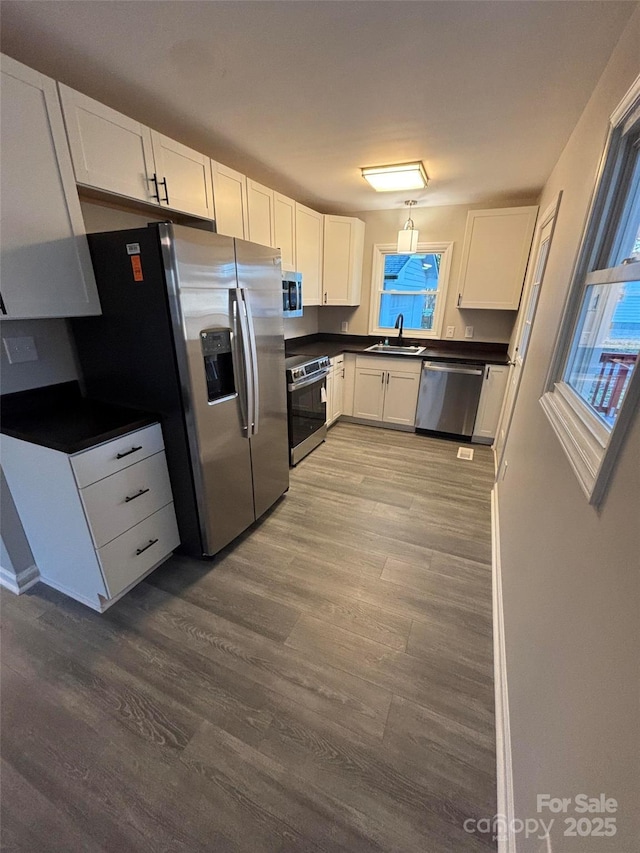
{"x": 449, "y": 396}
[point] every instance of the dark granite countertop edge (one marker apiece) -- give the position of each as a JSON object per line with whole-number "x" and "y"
{"x": 60, "y": 418}
{"x": 332, "y": 345}
{"x": 72, "y": 447}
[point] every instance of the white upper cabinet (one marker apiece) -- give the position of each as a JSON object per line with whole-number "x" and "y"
{"x": 109, "y": 150}
{"x": 343, "y": 251}
{"x": 230, "y": 200}
{"x": 309, "y": 241}
{"x": 284, "y": 210}
{"x": 494, "y": 257}
{"x": 182, "y": 177}
{"x": 46, "y": 268}
{"x": 117, "y": 154}
{"x": 260, "y": 210}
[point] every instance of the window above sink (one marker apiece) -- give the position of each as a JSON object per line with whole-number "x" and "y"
{"x": 414, "y": 285}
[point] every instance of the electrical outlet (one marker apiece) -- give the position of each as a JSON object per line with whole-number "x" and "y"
{"x": 344, "y": 326}
{"x": 468, "y": 331}
{"x": 451, "y": 330}
{"x": 20, "y": 349}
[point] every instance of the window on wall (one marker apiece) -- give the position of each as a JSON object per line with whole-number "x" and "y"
{"x": 412, "y": 285}
{"x": 594, "y": 383}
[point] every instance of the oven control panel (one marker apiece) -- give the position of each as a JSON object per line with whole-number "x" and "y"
{"x": 305, "y": 369}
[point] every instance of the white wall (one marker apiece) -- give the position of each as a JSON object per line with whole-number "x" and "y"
{"x": 571, "y": 573}
{"x": 434, "y": 224}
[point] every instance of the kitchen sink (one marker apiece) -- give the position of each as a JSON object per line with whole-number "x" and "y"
{"x": 395, "y": 350}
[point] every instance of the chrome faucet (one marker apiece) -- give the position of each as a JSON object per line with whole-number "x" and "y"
{"x": 399, "y": 325}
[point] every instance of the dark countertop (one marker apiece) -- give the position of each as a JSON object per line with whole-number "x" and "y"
{"x": 456, "y": 351}
{"x": 59, "y": 417}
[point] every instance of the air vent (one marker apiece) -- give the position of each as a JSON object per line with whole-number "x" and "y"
{"x": 465, "y": 453}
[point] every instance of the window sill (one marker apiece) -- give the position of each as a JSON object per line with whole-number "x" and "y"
{"x": 588, "y": 444}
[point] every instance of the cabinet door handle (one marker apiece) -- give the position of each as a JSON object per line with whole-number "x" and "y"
{"x": 343, "y": 372}
{"x": 382, "y": 377}
{"x": 137, "y": 495}
{"x": 166, "y": 191}
{"x": 144, "y": 548}
{"x": 388, "y": 375}
{"x": 3, "y": 307}
{"x": 128, "y": 452}
{"x": 155, "y": 195}
{"x": 459, "y": 298}
{"x": 325, "y": 297}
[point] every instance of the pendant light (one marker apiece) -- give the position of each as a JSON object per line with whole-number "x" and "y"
{"x": 408, "y": 237}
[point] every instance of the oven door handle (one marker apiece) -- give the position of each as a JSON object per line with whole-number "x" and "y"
{"x": 303, "y": 383}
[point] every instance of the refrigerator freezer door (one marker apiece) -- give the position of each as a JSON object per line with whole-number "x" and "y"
{"x": 260, "y": 276}
{"x": 201, "y": 277}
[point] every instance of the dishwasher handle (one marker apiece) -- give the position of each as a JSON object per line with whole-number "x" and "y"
{"x": 451, "y": 368}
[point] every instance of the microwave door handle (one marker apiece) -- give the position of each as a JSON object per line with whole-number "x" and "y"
{"x": 255, "y": 384}
{"x": 246, "y": 373}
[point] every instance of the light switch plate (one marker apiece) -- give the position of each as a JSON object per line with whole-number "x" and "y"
{"x": 451, "y": 330}
{"x": 468, "y": 331}
{"x": 344, "y": 326}
{"x": 20, "y": 349}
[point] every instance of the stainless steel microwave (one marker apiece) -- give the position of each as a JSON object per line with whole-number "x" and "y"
{"x": 292, "y": 294}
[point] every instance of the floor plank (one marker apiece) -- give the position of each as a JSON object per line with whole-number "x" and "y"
{"x": 325, "y": 683}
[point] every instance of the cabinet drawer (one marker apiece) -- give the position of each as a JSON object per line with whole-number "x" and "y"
{"x": 112, "y": 456}
{"x": 130, "y": 555}
{"x": 120, "y": 501}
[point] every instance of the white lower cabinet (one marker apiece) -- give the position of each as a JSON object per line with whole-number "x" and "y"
{"x": 335, "y": 389}
{"x": 96, "y": 521}
{"x": 386, "y": 390}
{"x": 494, "y": 385}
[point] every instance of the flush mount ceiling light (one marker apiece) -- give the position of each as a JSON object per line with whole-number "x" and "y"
{"x": 402, "y": 176}
{"x": 408, "y": 237}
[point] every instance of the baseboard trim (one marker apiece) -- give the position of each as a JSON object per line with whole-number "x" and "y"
{"x": 20, "y": 582}
{"x": 506, "y": 844}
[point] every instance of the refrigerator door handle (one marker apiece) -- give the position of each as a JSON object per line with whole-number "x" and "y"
{"x": 254, "y": 362}
{"x": 239, "y": 367}
{"x": 246, "y": 352}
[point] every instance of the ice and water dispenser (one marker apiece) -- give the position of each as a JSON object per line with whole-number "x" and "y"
{"x": 218, "y": 363}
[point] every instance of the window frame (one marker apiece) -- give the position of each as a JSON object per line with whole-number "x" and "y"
{"x": 590, "y": 445}
{"x": 380, "y": 250}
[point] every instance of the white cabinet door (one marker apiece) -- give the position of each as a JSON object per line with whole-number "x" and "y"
{"x": 109, "y": 150}
{"x": 338, "y": 387}
{"x": 46, "y": 268}
{"x": 329, "y": 396}
{"x": 230, "y": 200}
{"x": 342, "y": 269}
{"x": 260, "y": 204}
{"x": 309, "y": 233}
{"x": 401, "y": 398}
{"x": 284, "y": 215}
{"x": 494, "y": 257}
{"x": 368, "y": 395}
{"x": 493, "y": 388}
{"x": 183, "y": 176}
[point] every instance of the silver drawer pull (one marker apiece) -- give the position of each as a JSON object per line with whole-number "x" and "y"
{"x": 128, "y": 453}
{"x": 141, "y": 550}
{"x": 137, "y": 495}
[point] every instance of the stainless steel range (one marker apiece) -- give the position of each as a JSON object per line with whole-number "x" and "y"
{"x": 306, "y": 403}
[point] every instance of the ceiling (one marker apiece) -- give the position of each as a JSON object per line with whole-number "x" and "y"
{"x": 299, "y": 95}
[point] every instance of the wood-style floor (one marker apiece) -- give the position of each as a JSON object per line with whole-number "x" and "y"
{"x": 324, "y": 684}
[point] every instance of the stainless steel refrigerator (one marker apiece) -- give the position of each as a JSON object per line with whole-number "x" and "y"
{"x": 192, "y": 329}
